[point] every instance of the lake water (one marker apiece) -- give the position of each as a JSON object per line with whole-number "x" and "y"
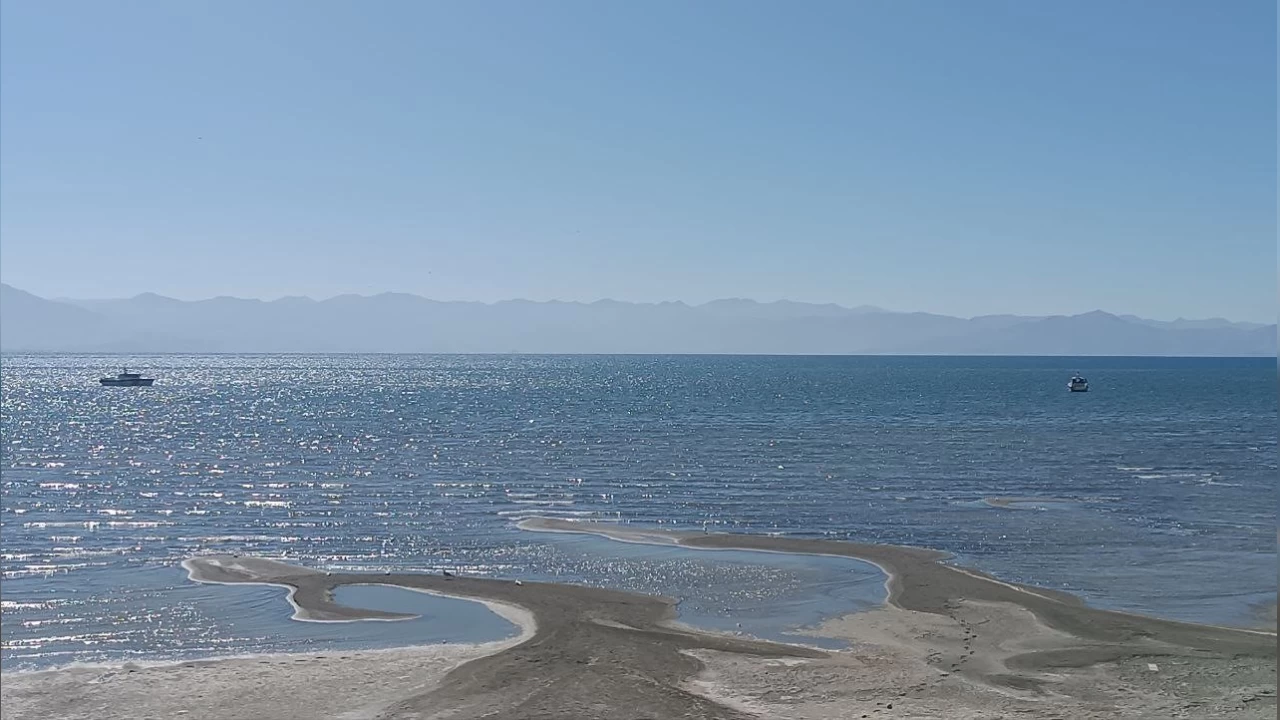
{"x": 1154, "y": 492}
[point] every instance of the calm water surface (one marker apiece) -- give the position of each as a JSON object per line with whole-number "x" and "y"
{"x": 1154, "y": 492}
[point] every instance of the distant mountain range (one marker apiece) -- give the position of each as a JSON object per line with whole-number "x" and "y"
{"x": 393, "y": 322}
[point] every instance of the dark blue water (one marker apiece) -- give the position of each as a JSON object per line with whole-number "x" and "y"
{"x": 1154, "y": 492}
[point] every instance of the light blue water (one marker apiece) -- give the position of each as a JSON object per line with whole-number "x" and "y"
{"x": 160, "y": 615}
{"x": 766, "y": 595}
{"x": 439, "y": 619}
{"x": 1154, "y": 492}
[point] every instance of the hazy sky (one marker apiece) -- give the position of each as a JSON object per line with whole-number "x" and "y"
{"x": 960, "y": 157}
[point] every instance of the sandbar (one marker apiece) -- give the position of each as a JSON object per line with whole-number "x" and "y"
{"x": 949, "y": 643}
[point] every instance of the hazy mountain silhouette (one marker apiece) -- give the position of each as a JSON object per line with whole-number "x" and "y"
{"x": 1206, "y": 324}
{"x": 396, "y": 322}
{"x": 28, "y": 321}
{"x": 1100, "y": 333}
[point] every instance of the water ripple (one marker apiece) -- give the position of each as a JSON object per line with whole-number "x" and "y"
{"x": 1139, "y": 496}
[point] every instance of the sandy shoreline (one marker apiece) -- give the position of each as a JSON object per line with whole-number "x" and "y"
{"x": 951, "y": 643}
{"x": 232, "y": 570}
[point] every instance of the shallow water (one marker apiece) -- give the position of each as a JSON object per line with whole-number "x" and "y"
{"x": 439, "y": 619}
{"x": 763, "y": 594}
{"x": 1154, "y": 492}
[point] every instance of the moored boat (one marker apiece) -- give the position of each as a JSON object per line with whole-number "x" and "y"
{"x": 127, "y": 379}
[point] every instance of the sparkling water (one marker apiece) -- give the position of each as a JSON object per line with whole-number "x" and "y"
{"x": 1153, "y": 492}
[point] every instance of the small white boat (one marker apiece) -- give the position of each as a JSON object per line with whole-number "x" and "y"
{"x": 127, "y": 379}
{"x": 1078, "y": 384}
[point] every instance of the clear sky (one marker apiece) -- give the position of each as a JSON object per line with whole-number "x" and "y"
{"x": 958, "y": 157}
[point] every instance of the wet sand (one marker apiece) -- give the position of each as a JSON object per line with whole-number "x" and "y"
{"x": 950, "y": 643}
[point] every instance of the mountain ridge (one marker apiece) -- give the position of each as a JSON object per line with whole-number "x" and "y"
{"x": 402, "y": 322}
{"x": 719, "y": 302}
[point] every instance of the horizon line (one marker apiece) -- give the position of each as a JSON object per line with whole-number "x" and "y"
{"x": 890, "y": 356}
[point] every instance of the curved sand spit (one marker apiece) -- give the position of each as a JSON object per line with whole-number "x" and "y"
{"x": 952, "y": 643}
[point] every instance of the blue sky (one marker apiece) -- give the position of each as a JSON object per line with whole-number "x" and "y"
{"x": 965, "y": 158}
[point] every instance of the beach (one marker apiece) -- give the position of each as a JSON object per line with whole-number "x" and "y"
{"x": 949, "y": 643}
{"x": 622, "y": 361}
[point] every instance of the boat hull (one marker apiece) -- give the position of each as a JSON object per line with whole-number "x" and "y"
{"x": 139, "y": 382}
{"x": 1078, "y": 388}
